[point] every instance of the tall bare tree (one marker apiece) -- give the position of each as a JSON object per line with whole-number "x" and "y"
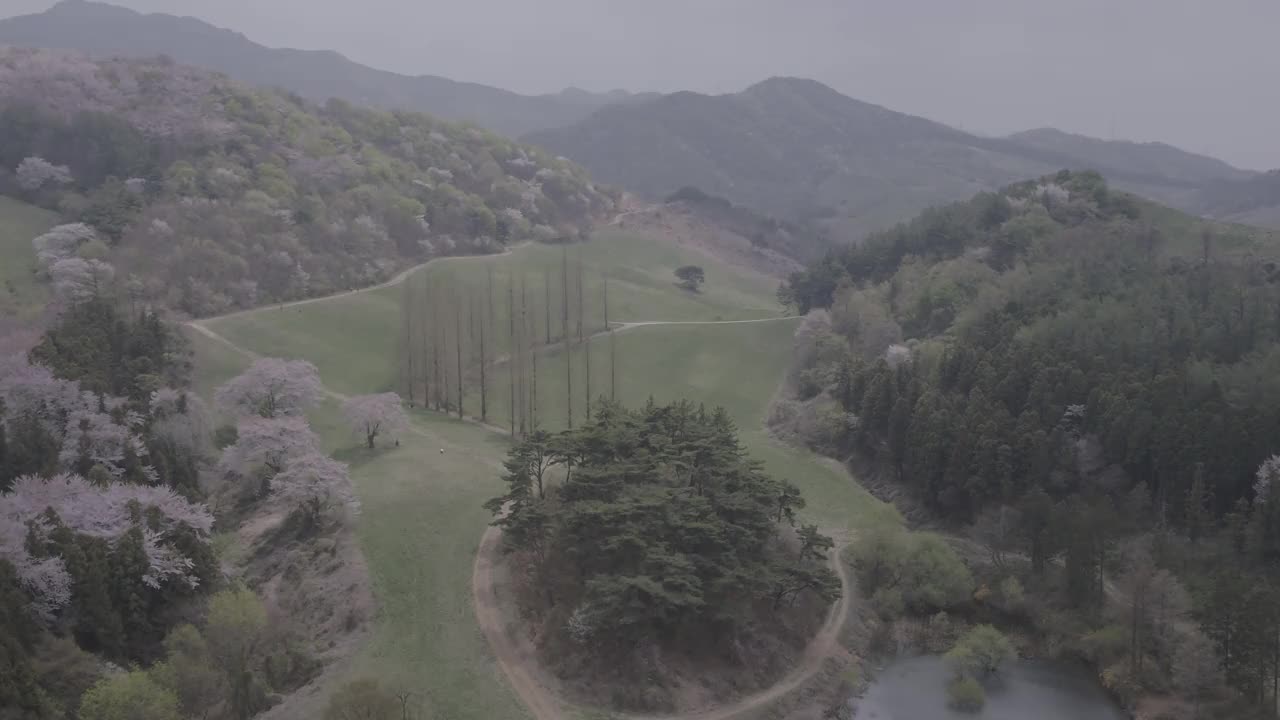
{"x": 457, "y": 321}
{"x": 584, "y": 342}
{"x": 531, "y": 332}
{"x": 407, "y": 314}
{"x": 486, "y": 325}
{"x": 511, "y": 347}
{"x": 613, "y": 346}
{"x": 546, "y": 288}
{"x": 437, "y": 343}
{"x": 564, "y": 327}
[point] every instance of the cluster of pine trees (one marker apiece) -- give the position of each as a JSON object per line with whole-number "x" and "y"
{"x": 652, "y": 528}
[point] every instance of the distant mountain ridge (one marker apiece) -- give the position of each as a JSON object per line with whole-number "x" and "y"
{"x": 798, "y": 149}
{"x": 100, "y": 28}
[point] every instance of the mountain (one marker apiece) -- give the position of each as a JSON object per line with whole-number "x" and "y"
{"x": 210, "y": 195}
{"x": 798, "y": 149}
{"x": 1152, "y": 158}
{"x": 103, "y": 29}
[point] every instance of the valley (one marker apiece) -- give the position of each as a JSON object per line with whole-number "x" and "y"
{"x": 334, "y": 393}
{"x": 421, "y": 518}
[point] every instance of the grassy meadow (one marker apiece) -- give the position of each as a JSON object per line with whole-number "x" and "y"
{"x": 421, "y": 509}
{"x": 22, "y": 294}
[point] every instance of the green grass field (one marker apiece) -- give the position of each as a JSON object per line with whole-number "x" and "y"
{"x": 422, "y": 518}
{"x": 22, "y": 295}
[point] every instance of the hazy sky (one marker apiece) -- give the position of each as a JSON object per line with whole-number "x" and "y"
{"x": 1201, "y": 74}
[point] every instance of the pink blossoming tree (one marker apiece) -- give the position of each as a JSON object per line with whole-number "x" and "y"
{"x": 372, "y": 416}
{"x": 272, "y": 387}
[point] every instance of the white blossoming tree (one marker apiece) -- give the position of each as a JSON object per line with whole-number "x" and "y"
{"x": 34, "y": 173}
{"x": 108, "y": 513}
{"x": 374, "y": 416}
{"x": 316, "y": 485}
{"x": 268, "y": 445}
{"x": 272, "y": 387}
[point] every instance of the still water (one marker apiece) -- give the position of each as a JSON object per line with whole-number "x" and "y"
{"x": 916, "y": 689}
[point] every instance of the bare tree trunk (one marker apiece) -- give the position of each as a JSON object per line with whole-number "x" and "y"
{"x": 484, "y": 362}
{"x": 424, "y": 328}
{"x": 546, "y": 287}
{"x": 511, "y": 348}
{"x": 437, "y": 338}
{"x": 564, "y": 326}
{"x": 407, "y": 312}
{"x": 613, "y": 346}
{"x": 457, "y": 321}
{"x": 586, "y": 346}
{"x": 531, "y": 331}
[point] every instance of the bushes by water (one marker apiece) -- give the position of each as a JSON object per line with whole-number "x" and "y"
{"x": 966, "y": 694}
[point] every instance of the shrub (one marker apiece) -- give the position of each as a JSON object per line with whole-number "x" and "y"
{"x": 966, "y": 695}
{"x": 981, "y": 651}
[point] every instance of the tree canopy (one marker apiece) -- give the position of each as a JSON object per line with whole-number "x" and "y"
{"x": 659, "y": 525}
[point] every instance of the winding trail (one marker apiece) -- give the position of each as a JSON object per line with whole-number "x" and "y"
{"x": 519, "y": 667}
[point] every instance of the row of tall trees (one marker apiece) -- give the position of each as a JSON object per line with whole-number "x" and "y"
{"x": 470, "y": 344}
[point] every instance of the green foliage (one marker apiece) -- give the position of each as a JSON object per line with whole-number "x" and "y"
{"x": 965, "y": 694}
{"x": 233, "y": 633}
{"x": 362, "y": 699}
{"x": 110, "y": 353}
{"x": 690, "y": 277}
{"x": 660, "y": 523}
{"x": 129, "y": 696}
{"x": 188, "y": 672}
{"x": 919, "y": 568}
{"x": 981, "y": 651}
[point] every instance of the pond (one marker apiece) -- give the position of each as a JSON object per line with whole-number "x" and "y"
{"x": 916, "y": 689}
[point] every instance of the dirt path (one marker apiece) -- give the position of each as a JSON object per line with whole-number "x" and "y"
{"x": 520, "y": 669}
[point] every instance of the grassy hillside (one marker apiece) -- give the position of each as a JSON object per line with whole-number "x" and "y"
{"x": 421, "y": 516}
{"x": 101, "y": 28}
{"x": 355, "y": 342}
{"x": 21, "y": 294}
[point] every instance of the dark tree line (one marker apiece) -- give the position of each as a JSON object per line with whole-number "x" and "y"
{"x": 1087, "y": 371}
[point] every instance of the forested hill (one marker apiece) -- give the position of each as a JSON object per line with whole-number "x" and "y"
{"x": 799, "y": 150}
{"x": 1082, "y": 380}
{"x": 100, "y": 28}
{"x": 1058, "y": 309}
{"x": 209, "y": 195}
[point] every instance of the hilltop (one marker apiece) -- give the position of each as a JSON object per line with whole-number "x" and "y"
{"x": 798, "y": 149}
{"x": 210, "y": 195}
{"x": 103, "y": 29}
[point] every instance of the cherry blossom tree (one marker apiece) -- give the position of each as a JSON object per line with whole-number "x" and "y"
{"x": 272, "y": 387}
{"x": 95, "y": 438}
{"x": 77, "y": 279}
{"x": 316, "y": 485}
{"x": 268, "y": 443}
{"x": 375, "y": 415}
{"x": 61, "y": 242}
{"x": 181, "y": 418}
{"x": 35, "y": 172}
{"x": 101, "y": 512}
